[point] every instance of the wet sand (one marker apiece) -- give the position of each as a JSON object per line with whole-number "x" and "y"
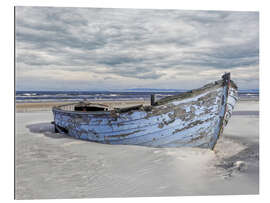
{"x": 50, "y": 165}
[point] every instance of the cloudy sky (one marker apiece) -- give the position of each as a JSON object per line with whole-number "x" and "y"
{"x": 107, "y": 49}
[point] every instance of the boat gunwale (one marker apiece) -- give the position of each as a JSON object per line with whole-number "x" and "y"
{"x": 181, "y": 96}
{"x": 194, "y": 92}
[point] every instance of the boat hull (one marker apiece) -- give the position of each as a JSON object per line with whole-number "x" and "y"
{"x": 195, "y": 120}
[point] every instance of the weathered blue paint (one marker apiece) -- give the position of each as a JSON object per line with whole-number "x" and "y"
{"x": 196, "y": 120}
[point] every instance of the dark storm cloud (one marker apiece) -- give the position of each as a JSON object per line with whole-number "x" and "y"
{"x": 136, "y": 44}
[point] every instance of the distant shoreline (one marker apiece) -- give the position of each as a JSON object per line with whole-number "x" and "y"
{"x": 48, "y": 105}
{"x": 105, "y": 96}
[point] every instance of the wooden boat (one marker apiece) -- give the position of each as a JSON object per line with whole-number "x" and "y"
{"x": 195, "y": 119}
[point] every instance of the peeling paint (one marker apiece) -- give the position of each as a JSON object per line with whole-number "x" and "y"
{"x": 196, "y": 118}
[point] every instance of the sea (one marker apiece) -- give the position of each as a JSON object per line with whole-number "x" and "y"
{"x": 74, "y": 96}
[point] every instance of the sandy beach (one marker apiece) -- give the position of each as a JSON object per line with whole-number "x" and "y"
{"x": 47, "y": 106}
{"x": 49, "y": 165}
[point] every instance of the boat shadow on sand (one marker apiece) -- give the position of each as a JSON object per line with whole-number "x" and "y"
{"x": 47, "y": 129}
